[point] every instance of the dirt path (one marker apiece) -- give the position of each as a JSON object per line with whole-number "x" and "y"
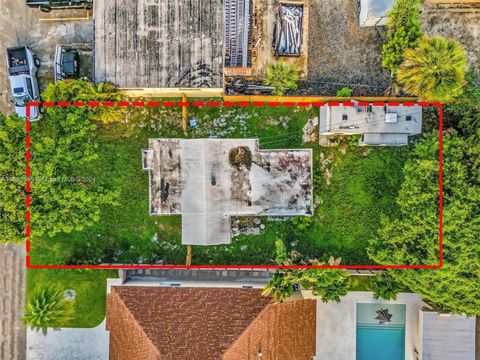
{"x": 12, "y": 295}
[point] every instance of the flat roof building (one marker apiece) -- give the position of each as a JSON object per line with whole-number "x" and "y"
{"x": 159, "y": 44}
{"x": 208, "y": 181}
{"x": 379, "y": 125}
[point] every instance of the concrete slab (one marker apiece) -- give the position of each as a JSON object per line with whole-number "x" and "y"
{"x": 69, "y": 343}
{"x": 12, "y": 301}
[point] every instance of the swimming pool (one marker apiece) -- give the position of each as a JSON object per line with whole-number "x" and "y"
{"x": 380, "y": 341}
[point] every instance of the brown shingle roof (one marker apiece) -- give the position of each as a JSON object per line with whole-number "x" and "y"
{"x": 179, "y": 323}
{"x": 164, "y": 323}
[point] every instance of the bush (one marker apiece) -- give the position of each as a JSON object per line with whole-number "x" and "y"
{"x": 435, "y": 70}
{"x": 384, "y": 286}
{"x": 47, "y": 308}
{"x": 344, "y": 92}
{"x": 281, "y": 77}
{"x": 404, "y": 29}
{"x": 81, "y": 90}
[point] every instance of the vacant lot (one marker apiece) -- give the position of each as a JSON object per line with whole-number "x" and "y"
{"x": 341, "y": 53}
{"x": 353, "y": 188}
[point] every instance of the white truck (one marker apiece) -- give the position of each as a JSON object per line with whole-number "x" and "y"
{"x": 22, "y": 68}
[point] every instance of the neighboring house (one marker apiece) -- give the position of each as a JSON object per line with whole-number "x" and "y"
{"x": 202, "y": 323}
{"x": 446, "y": 336}
{"x": 374, "y": 12}
{"x": 208, "y": 181}
{"x": 160, "y": 47}
{"x": 379, "y": 125}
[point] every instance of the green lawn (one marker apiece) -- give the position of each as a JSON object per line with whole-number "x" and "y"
{"x": 90, "y": 287}
{"x": 362, "y": 188}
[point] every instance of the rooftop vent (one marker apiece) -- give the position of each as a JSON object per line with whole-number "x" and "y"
{"x": 344, "y": 117}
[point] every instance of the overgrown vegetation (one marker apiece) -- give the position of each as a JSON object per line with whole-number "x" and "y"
{"x": 384, "y": 286}
{"x": 329, "y": 284}
{"x": 404, "y": 29}
{"x": 281, "y": 77}
{"x": 435, "y": 70}
{"x": 413, "y": 236}
{"x": 344, "y": 92}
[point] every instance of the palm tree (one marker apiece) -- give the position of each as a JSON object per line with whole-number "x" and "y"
{"x": 435, "y": 70}
{"x": 281, "y": 77}
{"x": 280, "y": 286}
{"x": 47, "y": 308}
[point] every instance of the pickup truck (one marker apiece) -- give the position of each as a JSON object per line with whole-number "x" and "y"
{"x": 22, "y": 69}
{"x": 49, "y": 5}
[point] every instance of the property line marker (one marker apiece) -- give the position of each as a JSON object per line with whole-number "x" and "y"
{"x": 28, "y": 198}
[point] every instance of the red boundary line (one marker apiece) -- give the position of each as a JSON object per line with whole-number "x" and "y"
{"x": 217, "y": 104}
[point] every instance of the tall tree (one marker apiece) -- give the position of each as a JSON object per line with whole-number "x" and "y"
{"x": 404, "y": 29}
{"x": 435, "y": 70}
{"x": 64, "y": 197}
{"x": 413, "y": 237}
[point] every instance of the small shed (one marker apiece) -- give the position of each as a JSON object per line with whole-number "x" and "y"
{"x": 374, "y": 12}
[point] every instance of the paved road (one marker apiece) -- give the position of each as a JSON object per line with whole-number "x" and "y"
{"x": 12, "y": 295}
{"x": 20, "y": 25}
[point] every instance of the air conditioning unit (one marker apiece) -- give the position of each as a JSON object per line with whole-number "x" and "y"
{"x": 391, "y": 117}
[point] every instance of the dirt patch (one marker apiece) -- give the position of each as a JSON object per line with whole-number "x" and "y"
{"x": 341, "y": 53}
{"x": 461, "y": 24}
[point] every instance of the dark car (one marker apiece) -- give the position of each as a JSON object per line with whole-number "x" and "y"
{"x": 67, "y": 63}
{"x": 49, "y": 5}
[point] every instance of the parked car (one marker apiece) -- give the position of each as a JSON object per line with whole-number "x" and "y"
{"x": 49, "y": 5}
{"x": 22, "y": 69}
{"x": 67, "y": 63}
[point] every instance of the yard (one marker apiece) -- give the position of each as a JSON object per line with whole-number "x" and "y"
{"x": 353, "y": 188}
{"x": 90, "y": 287}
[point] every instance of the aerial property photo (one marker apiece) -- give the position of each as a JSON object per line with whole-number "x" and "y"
{"x": 240, "y": 179}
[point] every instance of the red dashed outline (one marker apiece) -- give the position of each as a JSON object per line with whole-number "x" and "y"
{"x": 224, "y": 104}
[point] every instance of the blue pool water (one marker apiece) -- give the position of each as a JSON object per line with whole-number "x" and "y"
{"x": 380, "y": 341}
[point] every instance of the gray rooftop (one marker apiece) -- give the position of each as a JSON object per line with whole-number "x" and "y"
{"x": 159, "y": 43}
{"x": 198, "y": 179}
{"x": 379, "y": 125}
{"x": 447, "y": 337}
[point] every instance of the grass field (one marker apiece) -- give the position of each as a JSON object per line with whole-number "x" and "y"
{"x": 90, "y": 287}
{"x": 353, "y": 188}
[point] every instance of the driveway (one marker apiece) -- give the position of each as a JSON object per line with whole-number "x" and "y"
{"x": 21, "y": 25}
{"x": 69, "y": 343}
{"x": 12, "y": 297}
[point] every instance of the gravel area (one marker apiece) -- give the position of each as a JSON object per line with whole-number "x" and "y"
{"x": 457, "y": 22}
{"x": 341, "y": 53}
{"x": 12, "y": 295}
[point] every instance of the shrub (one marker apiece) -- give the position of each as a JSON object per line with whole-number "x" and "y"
{"x": 344, "y": 92}
{"x": 85, "y": 91}
{"x": 384, "y": 286}
{"x": 47, "y": 308}
{"x": 281, "y": 77}
{"x": 404, "y": 29}
{"x": 435, "y": 70}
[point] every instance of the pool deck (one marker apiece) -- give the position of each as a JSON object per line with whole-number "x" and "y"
{"x": 336, "y": 324}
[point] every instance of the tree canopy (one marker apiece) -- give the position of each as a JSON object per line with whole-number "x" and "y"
{"x": 281, "y": 77}
{"x": 434, "y": 70}
{"x": 413, "y": 237}
{"x": 64, "y": 197}
{"x": 404, "y": 29}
